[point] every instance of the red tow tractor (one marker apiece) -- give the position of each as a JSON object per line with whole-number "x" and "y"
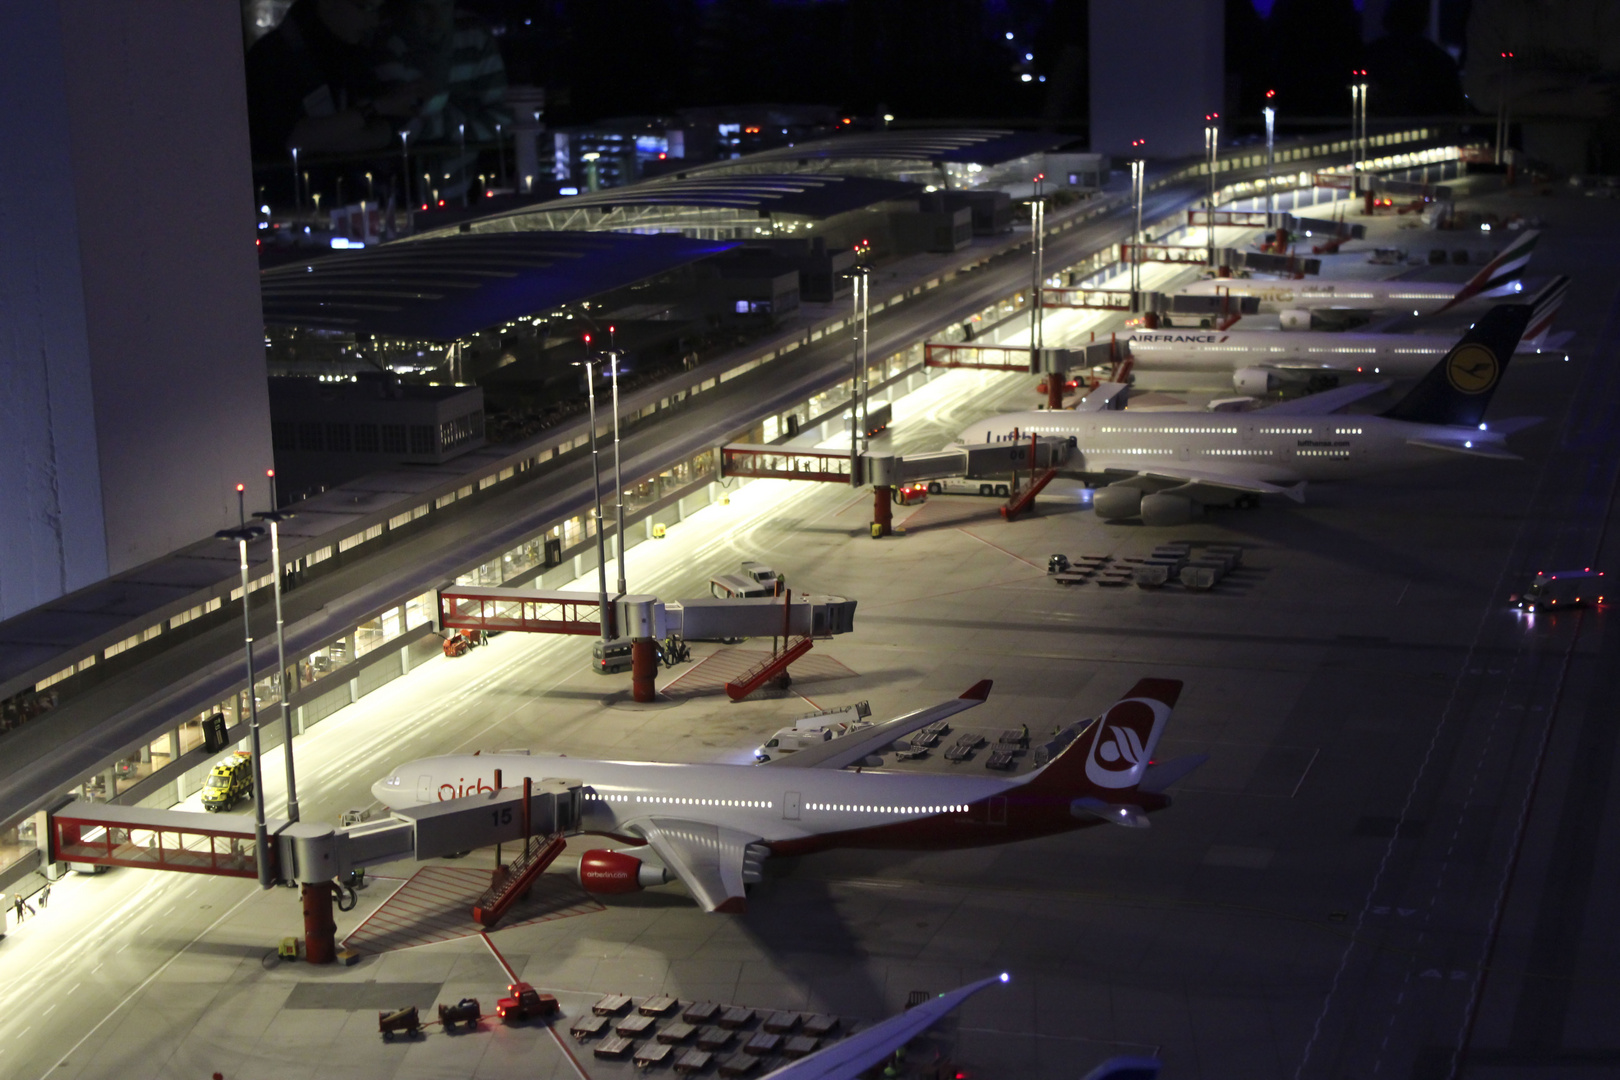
{"x": 525, "y": 1003}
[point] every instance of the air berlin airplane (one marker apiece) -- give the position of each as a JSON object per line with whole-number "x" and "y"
{"x": 712, "y": 826}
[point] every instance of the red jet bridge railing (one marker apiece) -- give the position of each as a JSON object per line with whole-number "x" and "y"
{"x": 942, "y": 354}
{"x": 535, "y": 611}
{"x": 100, "y": 834}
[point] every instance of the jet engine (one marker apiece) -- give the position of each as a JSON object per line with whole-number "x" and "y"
{"x": 1251, "y": 380}
{"x": 608, "y": 872}
{"x": 1294, "y": 319}
{"x": 1162, "y": 510}
{"x": 1117, "y": 501}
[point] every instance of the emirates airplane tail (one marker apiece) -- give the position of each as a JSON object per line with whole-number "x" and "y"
{"x": 1504, "y": 270}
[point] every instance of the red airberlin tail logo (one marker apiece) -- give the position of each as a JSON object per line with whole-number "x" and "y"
{"x": 1124, "y": 738}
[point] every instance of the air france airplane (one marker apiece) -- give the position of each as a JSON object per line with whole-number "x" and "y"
{"x": 711, "y": 826}
{"x": 1164, "y": 467}
{"x": 1502, "y": 274}
{"x": 1260, "y": 359}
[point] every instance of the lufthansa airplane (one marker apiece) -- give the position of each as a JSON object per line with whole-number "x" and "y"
{"x": 1164, "y": 467}
{"x": 1260, "y": 360}
{"x": 1501, "y": 275}
{"x": 712, "y": 826}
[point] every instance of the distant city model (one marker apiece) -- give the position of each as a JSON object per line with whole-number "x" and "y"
{"x": 711, "y": 826}
{"x": 1291, "y": 297}
{"x": 1261, "y": 360}
{"x": 1164, "y": 467}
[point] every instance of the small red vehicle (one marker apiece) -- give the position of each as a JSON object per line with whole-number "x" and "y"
{"x": 525, "y": 1003}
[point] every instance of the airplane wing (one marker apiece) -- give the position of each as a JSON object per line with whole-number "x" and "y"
{"x": 848, "y": 1058}
{"x": 1327, "y": 401}
{"x": 1190, "y": 482}
{"x": 1102, "y": 398}
{"x": 707, "y": 858}
{"x": 1494, "y": 451}
{"x": 849, "y": 749}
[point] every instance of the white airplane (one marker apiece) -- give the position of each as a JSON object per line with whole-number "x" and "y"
{"x": 853, "y": 1056}
{"x": 1296, "y": 299}
{"x": 1260, "y": 360}
{"x": 711, "y": 826}
{"x": 1164, "y": 467}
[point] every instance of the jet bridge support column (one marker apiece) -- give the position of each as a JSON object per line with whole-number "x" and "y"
{"x": 882, "y": 513}
{"x": 1054, "y": 389}
{"x": 643, "y": 670}
{"x": 320, "y": 928}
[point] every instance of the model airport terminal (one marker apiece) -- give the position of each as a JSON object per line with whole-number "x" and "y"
{"x": 765, "y": 591}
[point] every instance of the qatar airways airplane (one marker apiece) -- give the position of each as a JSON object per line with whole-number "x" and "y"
{"x": 1501, "y": 275}
{"x": 712, "y": 826}
{"x": 1164, "y": 467}
{"x": 1260, "y": 359}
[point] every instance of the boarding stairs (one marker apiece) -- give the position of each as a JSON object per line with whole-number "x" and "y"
{"x": 515, "y": 878}
{"x": 1025, "y": 499}
{"x": 772, "y": 667}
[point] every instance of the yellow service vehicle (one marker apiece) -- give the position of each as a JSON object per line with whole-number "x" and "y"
{"x": 229, "y": 781}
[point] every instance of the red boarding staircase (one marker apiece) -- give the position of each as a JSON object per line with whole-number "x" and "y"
{"x": 771, "y": 667}
{"x": 1026, "y": 498}
{"x": 538, "y": 853}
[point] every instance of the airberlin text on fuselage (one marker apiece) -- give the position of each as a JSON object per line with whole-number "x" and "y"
{"x": 460, "y": 788}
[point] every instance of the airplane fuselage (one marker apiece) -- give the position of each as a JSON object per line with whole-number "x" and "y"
{"x": 1304, "y": 351}
{"x": 1252, "y": 446}
{"x": 1423, "y": 298}
{"x": 793, "y": 811}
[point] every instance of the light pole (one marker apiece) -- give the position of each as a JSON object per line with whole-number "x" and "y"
{"x": 1502, "y": 109}
{"x": 596, "y": 492}
{"x": 1212, "y": 141}
{"x": 298, "y": 196}
{"x": 500, "y": 154}
{"x": 857, "y": 373}
{"x": 405, "y": 178}
{"x": 261, "y": 838}
{"x": 1037, "y": 213}
{"x": 1358, "y": 128}
{"x": 618, "y": 472}
{"x": 273, "y": 518}
{"x": 1138, "y": 188}
{"x": 461, "y": 161}
{"x": 1271, "y": 131}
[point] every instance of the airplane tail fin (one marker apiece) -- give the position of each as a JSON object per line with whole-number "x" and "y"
{"x": 1544, "y": 306}
{"x": 1098, "y": 766}
{"x": 1457, "y": 390}
{"x": 1507, "y": 267}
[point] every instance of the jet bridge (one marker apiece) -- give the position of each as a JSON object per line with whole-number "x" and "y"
{"x": 92, "y": 834}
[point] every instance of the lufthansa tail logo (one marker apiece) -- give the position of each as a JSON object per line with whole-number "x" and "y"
{"x": 1472, "y": 369}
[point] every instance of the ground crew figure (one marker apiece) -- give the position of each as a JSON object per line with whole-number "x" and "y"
{"x": 45, "y": 896}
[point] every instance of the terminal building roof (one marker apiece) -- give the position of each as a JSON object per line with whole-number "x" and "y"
{"x": 447, "y": 287}
{"x": 721, "y": 205}
{"x": 987, "y": 147}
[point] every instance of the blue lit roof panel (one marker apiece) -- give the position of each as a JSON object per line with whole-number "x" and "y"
{"x": 445, "y": 288}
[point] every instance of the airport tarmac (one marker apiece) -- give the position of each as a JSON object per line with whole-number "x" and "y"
{"x": 1403, "y": 841}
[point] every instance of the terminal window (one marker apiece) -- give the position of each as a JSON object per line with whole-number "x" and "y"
{"x": 365, "y": 439}
{"x": 393, "y": 438}
{"x": 309, "y": 436}
{"x": 422, "y": 439}
{"x": 338, "y": 440}
{"x": 284, "y": 435}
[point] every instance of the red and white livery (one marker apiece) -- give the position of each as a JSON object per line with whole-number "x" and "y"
{"x": 713, "y": 825}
